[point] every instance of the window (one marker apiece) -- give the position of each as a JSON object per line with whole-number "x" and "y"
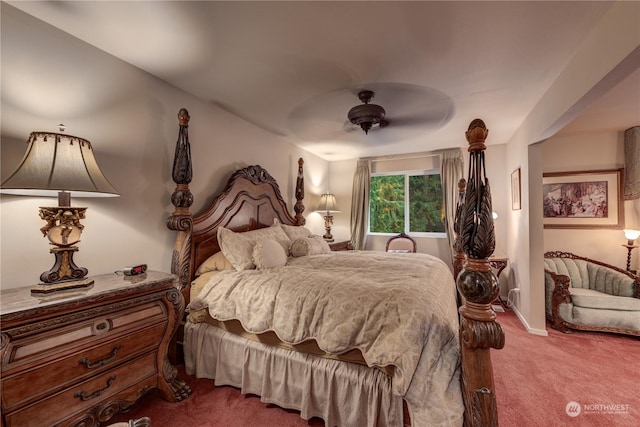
{"x": 409, "y": 202}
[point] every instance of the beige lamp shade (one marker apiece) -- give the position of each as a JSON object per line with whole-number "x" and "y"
{"x": 328, "y": 203}
{"x": 57, "y": 162}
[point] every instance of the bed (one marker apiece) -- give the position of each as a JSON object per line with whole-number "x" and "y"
{"x": 357, "y": 338}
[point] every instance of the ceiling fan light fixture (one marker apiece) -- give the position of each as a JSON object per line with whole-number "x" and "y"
{"x": 367, "y": 115}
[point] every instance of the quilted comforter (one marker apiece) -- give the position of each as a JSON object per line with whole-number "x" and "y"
{"x": 398, "y": 309}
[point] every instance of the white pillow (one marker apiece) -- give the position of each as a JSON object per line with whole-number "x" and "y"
{"x": 293, "y": 231}
{"x": 311, "y": 245}
{"x": 269, "y": 253}
{"x": 238, "y": 247}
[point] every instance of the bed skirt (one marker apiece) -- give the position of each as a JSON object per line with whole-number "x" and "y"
{"x": 341, "y": 393}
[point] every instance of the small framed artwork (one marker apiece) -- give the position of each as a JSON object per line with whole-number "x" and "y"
{"x": 515, "y": 190}
{"x": 586, "y": 199}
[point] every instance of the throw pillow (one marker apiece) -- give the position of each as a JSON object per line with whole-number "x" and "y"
{"x": 311, "y": 245}
{"x": 268, "y": 253}
{"x": 216, "y": 262}
{"x": 238, "y": 247}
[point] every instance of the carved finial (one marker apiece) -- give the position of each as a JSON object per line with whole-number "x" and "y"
{"x": 299, "y": 206}
{"x": 476, "y": 135}
{"x": 182, "y": 169}
{"x": 462, "y": 184}
{"x": 183, "y": 117}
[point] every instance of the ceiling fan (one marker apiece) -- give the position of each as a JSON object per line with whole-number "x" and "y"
{"x": 405, "y": 111}
{"x": 367, "y": 115}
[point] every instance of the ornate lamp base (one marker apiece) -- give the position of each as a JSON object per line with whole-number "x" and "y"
{"x": 63, "y": 229}
{"x": 64, "y": 286}
{"x": 65, "y": 275}
{"x": 328, "y": 223}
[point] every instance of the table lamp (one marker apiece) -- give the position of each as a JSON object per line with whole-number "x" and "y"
{"x": 328, "y": 206}
{"x": 631, "y": 236}
{"x": 61, "y": 165}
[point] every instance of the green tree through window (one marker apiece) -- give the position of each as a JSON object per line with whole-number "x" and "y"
{"x": 391, "y": 196}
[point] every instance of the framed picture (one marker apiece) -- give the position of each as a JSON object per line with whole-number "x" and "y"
{"x": 587, "y": 199}
{"x": 515, "y": 190}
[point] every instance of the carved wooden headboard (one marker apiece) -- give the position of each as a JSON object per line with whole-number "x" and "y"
{"x": 251, "y": 199}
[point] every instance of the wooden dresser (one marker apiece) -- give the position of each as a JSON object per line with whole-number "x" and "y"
{"x": 75, "y": 360}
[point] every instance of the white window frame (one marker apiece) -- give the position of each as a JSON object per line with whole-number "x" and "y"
{"x": 406, "y": 173}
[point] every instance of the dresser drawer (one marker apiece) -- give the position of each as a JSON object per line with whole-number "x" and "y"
{"x": 19, "y": 389}
{"x": 26, "y": 347}
{"x": 86, "y": 394}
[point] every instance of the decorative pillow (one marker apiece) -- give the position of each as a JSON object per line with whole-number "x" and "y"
{"x": 238, "y": 247}
{"x": 269, "y": 253}
{"x": 293, "y": 231}
{"x": 326, "y": 249}
{"x": 216, "y": 262}
{"x": 311, "y": 245}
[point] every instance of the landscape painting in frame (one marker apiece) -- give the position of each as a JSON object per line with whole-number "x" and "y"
{"x": 586, "y": 199}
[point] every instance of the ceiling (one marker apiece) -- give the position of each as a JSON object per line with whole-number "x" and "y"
{"x": 294, "y": 68}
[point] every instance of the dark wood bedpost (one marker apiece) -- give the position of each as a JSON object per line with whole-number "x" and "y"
{"x": 479, "y": 331}
{"x": 181, "y": 219}
{"x": 299, "y": 206}
{"x": 459, "y": 257}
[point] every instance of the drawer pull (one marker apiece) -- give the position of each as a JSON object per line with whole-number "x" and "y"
{"x": 102, "y": 362}
{"x": 82, "y": 395}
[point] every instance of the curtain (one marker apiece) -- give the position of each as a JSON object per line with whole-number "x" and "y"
{"x": 632, "y": 163}
{"x": 451, "y": 170}
{"x": 360, "y": 204}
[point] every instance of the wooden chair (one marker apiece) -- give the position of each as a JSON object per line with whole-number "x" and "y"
{"x": 401, "y": 243}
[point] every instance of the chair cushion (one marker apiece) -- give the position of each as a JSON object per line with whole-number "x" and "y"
{"x": 590, "y": 298}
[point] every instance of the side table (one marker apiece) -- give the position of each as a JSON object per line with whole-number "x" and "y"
{"x": 75, "y": 359}
{"x": 499, "y": 264}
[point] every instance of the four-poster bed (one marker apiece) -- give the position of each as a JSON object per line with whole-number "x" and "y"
{"x": 311, "y": 358}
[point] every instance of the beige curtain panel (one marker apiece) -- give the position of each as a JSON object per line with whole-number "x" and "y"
{"x": 451, "y": 170}
{"x": 360, "y": 204}
{"x": 632, "y": 163}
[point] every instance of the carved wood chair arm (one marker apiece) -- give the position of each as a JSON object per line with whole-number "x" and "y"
{"x": 559, "y": 295}
{"x": 562, "y": 283}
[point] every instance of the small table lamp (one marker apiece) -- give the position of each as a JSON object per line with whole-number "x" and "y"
{"x": 631, "y": 236}
{"x": 60, "y": 165}
{"x": 328, "y": 206}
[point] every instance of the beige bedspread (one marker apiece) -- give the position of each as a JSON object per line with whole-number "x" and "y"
{"x": 397, "y": 309}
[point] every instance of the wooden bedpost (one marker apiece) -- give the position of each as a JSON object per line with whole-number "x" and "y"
{"x": 479, "y": 331}
{"x": 299, "y": 206}
{"x": 181, "y": 219}
{"x": 459, "y": 257}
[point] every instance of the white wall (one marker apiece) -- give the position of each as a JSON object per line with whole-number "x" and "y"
{"x": 131, "y": 120}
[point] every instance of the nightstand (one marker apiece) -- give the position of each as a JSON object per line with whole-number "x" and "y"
{"x": 499, "y": 264}
{"x": 77, "y": 359}
{"x": 341, "y": 246}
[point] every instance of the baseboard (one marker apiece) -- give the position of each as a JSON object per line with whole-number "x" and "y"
{"x": 534, "y": 331}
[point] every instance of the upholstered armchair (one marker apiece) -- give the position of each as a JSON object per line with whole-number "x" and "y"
{"x": 590, "y": 295}
{"x": 401, "y": 243}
